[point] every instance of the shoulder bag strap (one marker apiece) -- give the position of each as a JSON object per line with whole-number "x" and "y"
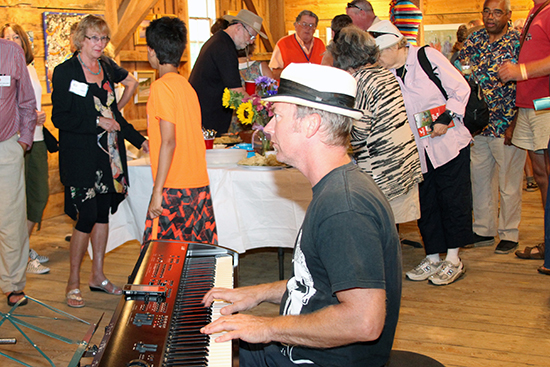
{"x": 427, "y": 67}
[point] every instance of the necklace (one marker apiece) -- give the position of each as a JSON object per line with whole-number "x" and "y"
{"x": 86, "y": 66}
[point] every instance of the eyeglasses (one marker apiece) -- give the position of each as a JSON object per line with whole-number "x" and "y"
{"x": 497, "y": 13}
{"x": 252, "y": 38}
{"x": 378, "y": 34}
{"x": 350, "y": 5}
{"x": 306, "y": 25}
{"x": 96, "y": 39}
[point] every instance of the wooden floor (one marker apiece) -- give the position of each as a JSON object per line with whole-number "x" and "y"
{"x": 498, "y": 314}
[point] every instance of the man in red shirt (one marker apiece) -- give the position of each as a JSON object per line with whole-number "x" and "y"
{"x": 532, "y": 130}
{"x": 301, "y": 47}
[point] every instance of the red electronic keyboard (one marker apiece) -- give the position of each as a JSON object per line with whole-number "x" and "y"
{"x": 157, "y": 322}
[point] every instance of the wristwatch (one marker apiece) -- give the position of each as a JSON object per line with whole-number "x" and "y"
{"x": 451, "y": 113}
{"x": 97, "y": 121}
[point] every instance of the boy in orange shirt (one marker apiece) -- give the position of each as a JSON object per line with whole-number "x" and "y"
{"x": 181, "y": 194}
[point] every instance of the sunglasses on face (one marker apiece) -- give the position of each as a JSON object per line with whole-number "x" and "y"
{"x": 378, "y": 34}
{"x": 350, "y": 5}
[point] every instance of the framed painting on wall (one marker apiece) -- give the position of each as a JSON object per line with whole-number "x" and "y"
{"x": 145, "y": 79}
{"x": 442, "y": 37}
{"x": 139, "y": 35}
{"x": 57, "y": 45}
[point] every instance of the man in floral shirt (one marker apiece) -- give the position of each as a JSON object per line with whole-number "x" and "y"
{"x": 492, "y": 155}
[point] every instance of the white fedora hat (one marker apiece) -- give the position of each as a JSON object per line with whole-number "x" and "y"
{"x": 318, "y": 86}
{"x": 385, "y": 34}
{"x": 249, "y": 18}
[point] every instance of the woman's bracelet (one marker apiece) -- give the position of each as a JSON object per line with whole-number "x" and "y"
{"x": 523, "y": 71}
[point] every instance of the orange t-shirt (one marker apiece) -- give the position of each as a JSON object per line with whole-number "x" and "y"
{"x": 173, "y": 99}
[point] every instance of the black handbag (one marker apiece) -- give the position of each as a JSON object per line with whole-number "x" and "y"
{"x": 476, "y": 116}
{"x": 51, "y": 142}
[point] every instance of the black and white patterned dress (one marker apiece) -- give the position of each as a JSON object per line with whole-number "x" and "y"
{"x": 382, "y": 141}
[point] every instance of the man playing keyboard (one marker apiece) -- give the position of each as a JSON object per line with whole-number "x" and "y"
{"x": 340, "y": 306}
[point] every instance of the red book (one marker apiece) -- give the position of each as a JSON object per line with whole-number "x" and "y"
{"x": 424, "y": 120}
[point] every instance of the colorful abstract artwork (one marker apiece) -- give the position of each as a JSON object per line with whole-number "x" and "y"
{"x": 57, "y": 35}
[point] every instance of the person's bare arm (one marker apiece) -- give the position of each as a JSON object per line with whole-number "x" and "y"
{"x": 359, "y": 317}
{"x": 266, "y": 71}
{"x": 130, "y": 85}
{"x": 240, "y": 90}
{"x": 166, "y": 155}
{"x": 509, "y": 71}
{"x": 245, "y": 298}
{"x": 277, "y": 73}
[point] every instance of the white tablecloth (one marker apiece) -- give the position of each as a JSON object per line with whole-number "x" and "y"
{"x": 253, "y": 208}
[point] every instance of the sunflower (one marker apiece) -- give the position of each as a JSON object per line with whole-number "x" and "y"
{"x": 226, "y": 98}
{"x": 245, "y": 113}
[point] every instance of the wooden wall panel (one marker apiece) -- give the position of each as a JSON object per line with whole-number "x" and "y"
{"x": 28, "y": 13}
{"x": 435, "y": 11}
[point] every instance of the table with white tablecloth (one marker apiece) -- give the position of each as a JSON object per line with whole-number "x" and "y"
{"x": 254, "y": 207}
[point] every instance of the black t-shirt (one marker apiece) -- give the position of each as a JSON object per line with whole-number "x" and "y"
{"x": 216, "y": 68}
{"x": 348, "y": 240}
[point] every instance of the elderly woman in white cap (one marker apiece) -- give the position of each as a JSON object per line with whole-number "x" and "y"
{"x": 444, "y": 148}
{"x": 382, "y": 141}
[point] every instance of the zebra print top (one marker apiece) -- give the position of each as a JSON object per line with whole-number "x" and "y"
{"x": 382, "y": 141}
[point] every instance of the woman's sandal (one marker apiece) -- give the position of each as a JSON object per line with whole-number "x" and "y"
{"x": 75, "y": 296}
{"x": 103, "y": 288}
{"x": 17, "y": 293}
{"x": 528, "y": 253}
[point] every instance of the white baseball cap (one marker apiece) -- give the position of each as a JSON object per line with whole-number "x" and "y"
{"x": 385, "y": 34}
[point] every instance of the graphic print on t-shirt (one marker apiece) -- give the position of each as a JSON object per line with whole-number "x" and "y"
{"x": 300, "y": 287}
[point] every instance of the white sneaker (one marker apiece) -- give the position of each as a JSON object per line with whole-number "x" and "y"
{"x": 33, "y": 255}
{"x": 34, "y": 267}
{"x": 448, "y": 273}
{"x": 424, "y": 270}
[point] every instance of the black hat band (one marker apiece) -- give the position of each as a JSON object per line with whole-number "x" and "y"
{"x": 290, "y": 88}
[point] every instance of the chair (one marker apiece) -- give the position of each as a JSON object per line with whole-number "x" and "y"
{"x": 402, "y": 358}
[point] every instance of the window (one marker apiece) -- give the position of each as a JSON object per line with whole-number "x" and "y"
{"x": 202, "y": 14}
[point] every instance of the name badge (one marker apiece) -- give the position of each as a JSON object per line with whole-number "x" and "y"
{"x": 5, "y": 81}
{"x": 78, "y": 88}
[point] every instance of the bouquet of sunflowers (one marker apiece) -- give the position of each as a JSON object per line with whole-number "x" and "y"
{"x": 252, "y": 110}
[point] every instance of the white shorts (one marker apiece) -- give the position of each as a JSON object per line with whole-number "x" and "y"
{"x": 532, "y": 129}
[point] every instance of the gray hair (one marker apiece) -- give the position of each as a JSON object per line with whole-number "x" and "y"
{"x": 507, "y": 5}
{"x": 353, "y": 49}
{"x": 363, "y": 4}
{"x": 335, "y": 127}
{"x": 308, "y": 13}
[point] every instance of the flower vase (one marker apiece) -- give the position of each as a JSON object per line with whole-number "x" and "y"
{"x": 261, "y": 143}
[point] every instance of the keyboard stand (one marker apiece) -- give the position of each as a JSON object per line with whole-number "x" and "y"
{"x": 17, "y": 321}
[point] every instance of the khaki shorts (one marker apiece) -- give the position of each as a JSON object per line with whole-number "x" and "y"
{"x": 406, "y": 207}
{"x": 532, "y": 129}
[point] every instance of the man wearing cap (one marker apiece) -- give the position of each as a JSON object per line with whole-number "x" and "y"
{"x": 362, "y": 14}
{"x": 217, "y": 68}
{"x": 341, "y": 304}
{"x": 300, "y": 47}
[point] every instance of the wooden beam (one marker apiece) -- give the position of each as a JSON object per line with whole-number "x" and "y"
{"x": 134, "y": 13}
{"x": 268, "y": 43}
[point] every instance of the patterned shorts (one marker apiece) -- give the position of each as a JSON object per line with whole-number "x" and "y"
{"x": 187, "y": 215}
